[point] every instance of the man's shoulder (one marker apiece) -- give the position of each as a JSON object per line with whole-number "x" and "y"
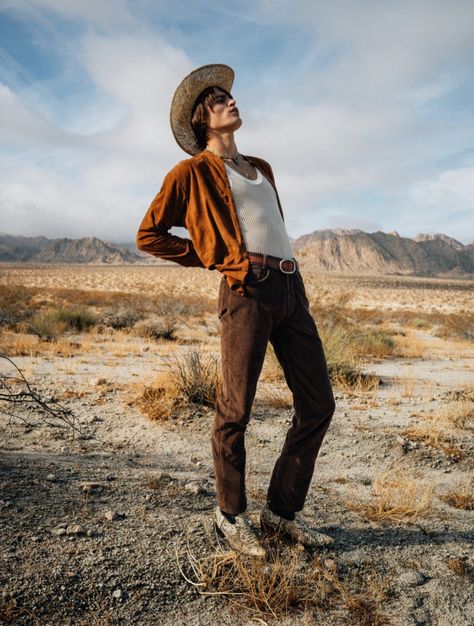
{"x": 186, "y": 166}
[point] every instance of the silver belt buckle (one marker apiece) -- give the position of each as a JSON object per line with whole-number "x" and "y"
{"x": 285, "y": 271}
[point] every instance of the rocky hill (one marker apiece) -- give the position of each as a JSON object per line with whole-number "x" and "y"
{"x": 384, "y": 253}
{"x": 86, "y": 250}
{"x": 323, "y": 250}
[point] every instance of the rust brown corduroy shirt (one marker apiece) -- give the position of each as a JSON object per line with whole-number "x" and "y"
{"x": 196, "y": 194}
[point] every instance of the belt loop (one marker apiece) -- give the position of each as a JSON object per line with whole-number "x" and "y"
{"x": 264, "y": 261}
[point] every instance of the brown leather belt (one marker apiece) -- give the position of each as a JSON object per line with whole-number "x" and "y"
{"x": 287, "y": 266}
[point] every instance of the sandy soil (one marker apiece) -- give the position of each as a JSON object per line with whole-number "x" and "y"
{"x": 157, "y": 476}
{"x": 379, "y": 292}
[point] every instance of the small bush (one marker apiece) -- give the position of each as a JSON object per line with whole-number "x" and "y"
{"x": 420, "y": 323}
{"x": 77, "y": 320}
{"x": 460, "y": 325}
{"x": 396, "y": 496}
{"x": 122, "y": 318}
{"x": 373, "y": 343}
{"x": 284, "y": 585}
{"x": 187, "y": 379}
{"x": 197, "y": 379}
{"x": 164, "y": 328}
{"x": 46, "y": 326}
{"x": 462, "y": 497}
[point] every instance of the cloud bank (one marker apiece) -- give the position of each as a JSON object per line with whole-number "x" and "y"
{"x": 362, "y": 108}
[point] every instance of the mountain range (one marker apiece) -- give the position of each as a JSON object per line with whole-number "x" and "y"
{"x": 334, "y": 250}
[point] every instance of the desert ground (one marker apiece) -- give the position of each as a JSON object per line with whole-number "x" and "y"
{"x": 107, "y": 382}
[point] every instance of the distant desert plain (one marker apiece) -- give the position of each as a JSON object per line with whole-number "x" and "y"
{"x": 107, "y": 386}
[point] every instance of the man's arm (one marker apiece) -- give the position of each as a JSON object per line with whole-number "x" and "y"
{"x": 168, "y": 209}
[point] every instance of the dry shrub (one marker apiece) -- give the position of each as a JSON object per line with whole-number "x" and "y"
{"x": 459, "y": 566}
{"x": 120, "y": 318}
{"x": 51, "y": 323}
{"x": 196, "y": 378}
{"x": 462, "y": 496}
{"x": 409, "y": 347}
{"x": 374, "y": 343}
{"x": 420, "y": 323}
{"x": 285, "y": 584}
{"x": 190, "y": 378}
{"x": 435, "y": 438}
{"x": 15, "y": 344}
{"x": 157, "y": 329}
{"x": 455, "y": 414}
{"x": 46, "y": 327}
{"x": 440, "y": 429}
{"x": 77, "y": 319}
{"x": 396, "y": 497}
{"x": 459, "y": 325}
{"x": 158, "y": 401}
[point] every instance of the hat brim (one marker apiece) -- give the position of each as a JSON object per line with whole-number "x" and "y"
{"x": 214, "y": 75}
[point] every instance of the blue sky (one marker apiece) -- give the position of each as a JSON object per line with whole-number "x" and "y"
{"x": 364, "y": 109}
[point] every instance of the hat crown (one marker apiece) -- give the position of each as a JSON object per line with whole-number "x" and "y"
{"x": 186, "y": 94}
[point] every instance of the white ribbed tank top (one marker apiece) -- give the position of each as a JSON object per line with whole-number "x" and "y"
{"x": 260, "y": 219}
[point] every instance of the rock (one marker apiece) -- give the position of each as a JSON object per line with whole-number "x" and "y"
{"x": 117, "y": 594}
{"x": 112, "y": 516}
{"x": 58, "y": 531}
{"x": 75, "y": 529}
{"x": 411, "y": 579}
{"x": 89, "y": 487}
{"x": 101, "y": 381}
{"x": 195, "y": 488}
{"x": 51, "y": 477}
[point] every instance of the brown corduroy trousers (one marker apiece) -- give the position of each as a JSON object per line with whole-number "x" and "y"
{"x": 274, "y": 308}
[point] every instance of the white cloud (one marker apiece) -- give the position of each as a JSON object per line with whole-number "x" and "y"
{"x": 350, "y": 116}
{"x": 453, "y": 189}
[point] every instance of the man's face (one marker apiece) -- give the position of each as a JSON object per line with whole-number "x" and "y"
{"x": 224, "y": 115}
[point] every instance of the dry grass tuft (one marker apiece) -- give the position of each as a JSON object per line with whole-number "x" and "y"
{"x": 188, "y": 379}
{"x": 462, "y": 497}
{"x": 459, "y": 325}
{"x": 455, "y": 414}
{"x": 284, "y": 584}
{"x": 441, "y": 429}
{"x": 196, "y": 378}
{"x": 159, "y": 400}
{"x": 435, "y": 438}
{"x": 396, "y": 497}
{"x": 157, "y": 329}
{"x": 459, "y": 566}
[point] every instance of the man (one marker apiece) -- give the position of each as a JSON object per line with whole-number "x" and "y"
{"x": 230, "y": 206}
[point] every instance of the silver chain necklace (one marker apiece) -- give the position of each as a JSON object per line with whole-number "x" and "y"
{"x": 227, "y": 157}
{"x": 237, "y": 159}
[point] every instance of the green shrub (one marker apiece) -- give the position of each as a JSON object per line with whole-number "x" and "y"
{"x": 45, "y": 326}
{"x": 78, "y": 319}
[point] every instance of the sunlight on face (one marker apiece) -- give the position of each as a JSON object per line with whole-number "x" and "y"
{"x": 224, "y": 114}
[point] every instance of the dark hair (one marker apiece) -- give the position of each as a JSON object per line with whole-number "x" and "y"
{"x": 200, "y": 114}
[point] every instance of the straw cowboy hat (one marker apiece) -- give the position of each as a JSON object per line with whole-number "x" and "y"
{"x": 215, "y": 75}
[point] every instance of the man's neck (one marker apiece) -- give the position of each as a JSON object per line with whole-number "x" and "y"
{"x": 223, "y": 143}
